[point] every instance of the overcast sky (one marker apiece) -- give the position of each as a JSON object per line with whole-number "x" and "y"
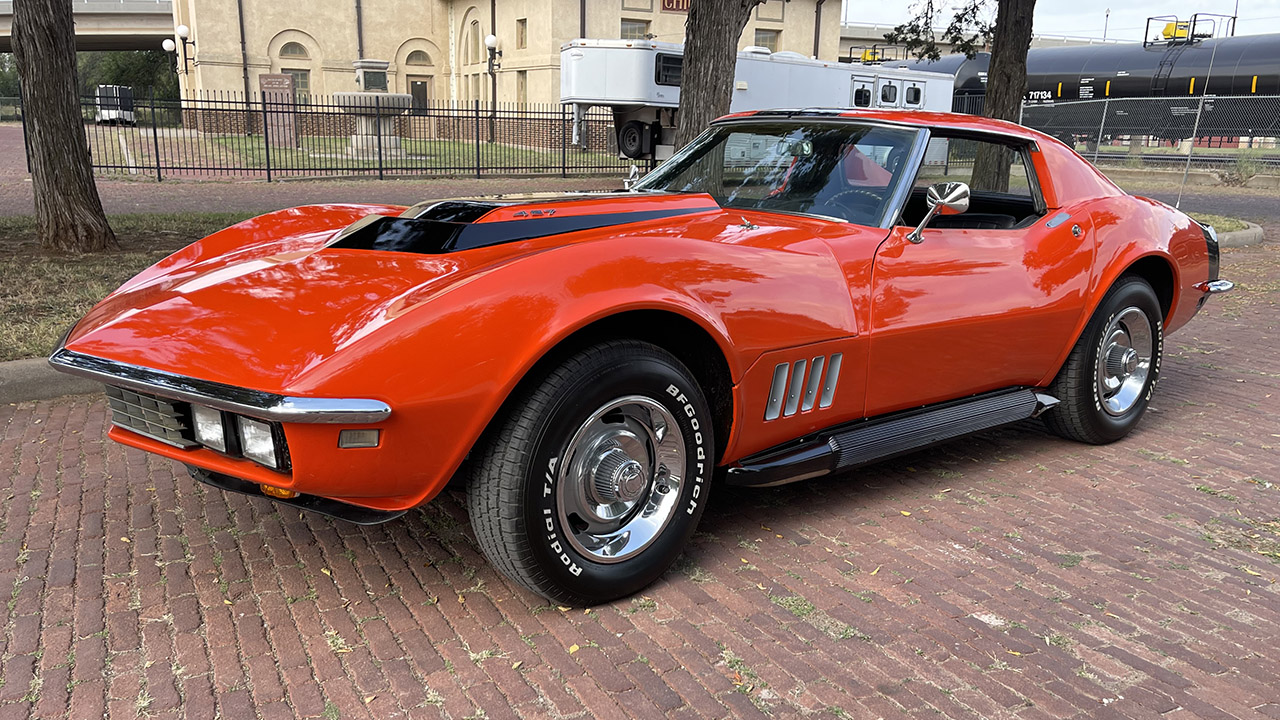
{"x": 1087, "y": 17}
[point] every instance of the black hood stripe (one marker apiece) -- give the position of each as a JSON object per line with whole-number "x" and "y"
{"x": 436, "y": 237}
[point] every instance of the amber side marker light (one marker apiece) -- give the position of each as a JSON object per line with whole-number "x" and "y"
{"x": 276, "y": 492}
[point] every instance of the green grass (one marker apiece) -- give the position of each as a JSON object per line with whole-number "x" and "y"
{"x": 1219, "y": 222}
{"x": 41, "y": 293}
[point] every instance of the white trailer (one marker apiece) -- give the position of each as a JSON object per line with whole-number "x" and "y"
{"x": 114, "y": 105}
{"x": 640, "y": 81}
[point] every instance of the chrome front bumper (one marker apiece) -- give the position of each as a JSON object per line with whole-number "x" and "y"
{"x": 253, "y": 403}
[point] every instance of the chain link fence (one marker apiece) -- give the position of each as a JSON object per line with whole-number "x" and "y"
{"x": 224, "y": 136}
{"x": 1235, "y": 136}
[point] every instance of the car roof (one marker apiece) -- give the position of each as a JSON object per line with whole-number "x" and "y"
{"x": 910, "y": 118}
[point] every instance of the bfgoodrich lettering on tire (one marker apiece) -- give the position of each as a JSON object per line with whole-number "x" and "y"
{"x": 591, "y": 484}
{"x": 1107, "y": 381}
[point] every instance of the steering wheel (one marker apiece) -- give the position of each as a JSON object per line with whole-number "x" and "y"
{"x": 843, "y": 198}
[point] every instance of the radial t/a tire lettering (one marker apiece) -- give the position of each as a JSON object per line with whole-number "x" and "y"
{"x": 1107, "y": 381}
{"x": 591, "y": 484}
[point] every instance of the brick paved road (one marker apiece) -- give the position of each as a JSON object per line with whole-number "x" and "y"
{"x": 1032, "y": 578}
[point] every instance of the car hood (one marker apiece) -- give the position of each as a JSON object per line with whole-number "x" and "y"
{"x": 262, "y": 304}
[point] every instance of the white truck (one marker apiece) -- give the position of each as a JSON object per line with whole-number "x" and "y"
{"x": 640, "y": 81}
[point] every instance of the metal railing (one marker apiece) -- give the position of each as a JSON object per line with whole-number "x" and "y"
{"x": 222, "y": 135}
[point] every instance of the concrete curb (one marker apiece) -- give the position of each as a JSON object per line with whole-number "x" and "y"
{"x": 24, "y": 380}
{"x": 1251, "y": 235}
{"x": 1195, "y": 177}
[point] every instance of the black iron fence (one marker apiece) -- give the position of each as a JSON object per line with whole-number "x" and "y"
{"x": 225, "y": 136}
{"x": 10, "y": 109}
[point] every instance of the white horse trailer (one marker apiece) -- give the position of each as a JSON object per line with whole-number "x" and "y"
{"x": 640, "y": 81}
{"x": 114, "y": 105}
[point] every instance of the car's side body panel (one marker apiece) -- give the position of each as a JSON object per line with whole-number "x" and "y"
{"x": 967, "y": 311}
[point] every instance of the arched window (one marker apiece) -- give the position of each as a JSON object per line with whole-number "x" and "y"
{"x": 475, "y": 45}
{"x": 294, "y": 50}
{"x": 418, "y": 57}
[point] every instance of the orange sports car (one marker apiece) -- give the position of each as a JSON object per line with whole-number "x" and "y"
{"x": 793, "y": 294}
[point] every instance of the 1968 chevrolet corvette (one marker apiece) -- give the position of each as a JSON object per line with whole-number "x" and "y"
{"x": 794, "y": 294}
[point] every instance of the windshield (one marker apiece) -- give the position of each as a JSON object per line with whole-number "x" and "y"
{"x": 845, "y": 170}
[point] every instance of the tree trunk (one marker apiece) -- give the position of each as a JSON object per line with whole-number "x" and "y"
{"x": 1006, "y": 85}
{"x": 69, "y": 215}
{"x": 710, "y": 55}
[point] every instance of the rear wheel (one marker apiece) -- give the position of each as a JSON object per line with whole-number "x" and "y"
{"x": 1108, "y": 379}
{"x": 590, "y": 486}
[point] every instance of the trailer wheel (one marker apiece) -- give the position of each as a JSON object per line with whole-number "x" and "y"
{"x": 631, "y": 139}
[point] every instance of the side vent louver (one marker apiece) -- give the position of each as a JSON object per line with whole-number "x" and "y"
{"x": 800, "y": 385}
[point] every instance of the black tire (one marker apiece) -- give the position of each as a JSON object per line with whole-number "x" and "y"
{"x": 631, "y": 139}
{"x": 1083, "y": 414}
{"x": 521, "y": 481}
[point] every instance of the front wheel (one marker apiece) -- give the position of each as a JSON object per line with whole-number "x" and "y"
{"x": 590, "y": 486}
{"x": 1109, "y": 377}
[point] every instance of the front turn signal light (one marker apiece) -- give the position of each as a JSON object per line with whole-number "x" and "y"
{"x": 276, "y": 492}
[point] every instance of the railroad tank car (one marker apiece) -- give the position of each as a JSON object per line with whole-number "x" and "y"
{"x": 1238, "y": 67}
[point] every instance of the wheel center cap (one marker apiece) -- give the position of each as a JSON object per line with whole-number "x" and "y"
{"x": 629, "y": 481}
{"x": 1121, "y": 362}
{"x": 618, "y": 477}
{"x": 1130, "y": 361}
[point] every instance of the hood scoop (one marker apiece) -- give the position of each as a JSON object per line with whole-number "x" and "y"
{"x": 454, "y": 225}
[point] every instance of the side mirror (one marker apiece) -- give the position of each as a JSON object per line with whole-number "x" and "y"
{"x": 948, "y": 198}
{"x": 632, "y": 178}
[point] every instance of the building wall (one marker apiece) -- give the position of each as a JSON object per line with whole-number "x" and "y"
{"x": 451, "y": 33}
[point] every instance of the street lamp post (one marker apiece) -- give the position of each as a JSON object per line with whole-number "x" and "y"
{"x": 491, "y": 42}
{"x": 183, "y": 32}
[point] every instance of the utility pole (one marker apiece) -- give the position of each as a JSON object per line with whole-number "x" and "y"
{"x": 1105, "y": 24}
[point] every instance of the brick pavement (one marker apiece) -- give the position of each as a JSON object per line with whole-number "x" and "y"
{"x": 1010, "y": 575}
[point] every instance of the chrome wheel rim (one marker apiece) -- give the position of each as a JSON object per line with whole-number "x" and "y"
{"x": 1124, "y": 361}
{"x": 620, "y": 479}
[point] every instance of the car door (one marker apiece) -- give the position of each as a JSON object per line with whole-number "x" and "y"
{"x": 972, "y": 309}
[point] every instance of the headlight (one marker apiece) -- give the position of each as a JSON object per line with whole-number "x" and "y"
{"x": 257, "y": 442}
{"x": 209, "y": 430}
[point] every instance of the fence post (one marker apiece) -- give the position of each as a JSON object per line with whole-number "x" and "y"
{"x": 266, "y": 133}
{"x": 477, "y": 137}
{"x": 377, "y": 127}
{"x": 155, "y": 137}
{"x": 564, "y": 145}
{"x": 1097, "y": 148}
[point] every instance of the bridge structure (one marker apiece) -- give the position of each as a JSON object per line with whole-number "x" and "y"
{"x": 108, "y": 24}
